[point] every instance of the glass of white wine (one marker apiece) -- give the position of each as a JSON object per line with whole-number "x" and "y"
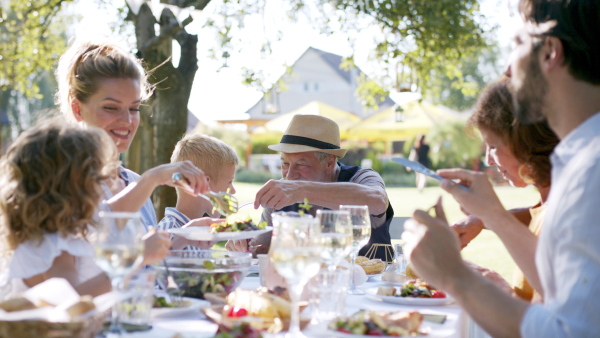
{"x": 336, "y": 236}
{"x": 119, "y": 246}
{"x": 296, "y": 255}
{"x": 361, "y": 232}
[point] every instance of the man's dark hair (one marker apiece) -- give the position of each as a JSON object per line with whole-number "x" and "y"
{"x": 578, "y": 28}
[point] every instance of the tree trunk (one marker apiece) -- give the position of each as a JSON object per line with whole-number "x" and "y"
{"x": 159, "y": 132}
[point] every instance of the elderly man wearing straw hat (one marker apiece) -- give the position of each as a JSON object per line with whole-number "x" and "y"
{"x": 310, "y": 149}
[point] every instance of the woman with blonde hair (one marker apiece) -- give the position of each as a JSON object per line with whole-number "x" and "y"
{"x": 101, "y": 85}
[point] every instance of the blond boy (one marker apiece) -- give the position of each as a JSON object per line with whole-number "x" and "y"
{"x": 218, "y": 161}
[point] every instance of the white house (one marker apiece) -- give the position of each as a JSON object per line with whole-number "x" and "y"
{"x": 316, "y": 76}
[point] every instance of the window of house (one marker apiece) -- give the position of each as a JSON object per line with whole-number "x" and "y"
{"x": 316, "y": 87}
{"x": 306, "y": 87}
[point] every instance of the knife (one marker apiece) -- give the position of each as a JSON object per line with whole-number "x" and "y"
{"x": 418, "y": 167}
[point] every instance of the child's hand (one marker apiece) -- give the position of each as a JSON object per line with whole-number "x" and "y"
{"x": 194, "y": 177}
{"x": 157, "y": 244}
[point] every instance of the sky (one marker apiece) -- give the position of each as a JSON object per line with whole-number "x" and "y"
{"x": 218, "y": 92}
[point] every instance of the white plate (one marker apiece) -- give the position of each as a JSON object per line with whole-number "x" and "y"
{"x": 375, "y": 277}
{"x": 379, "y": 278}
{"x": 190, "y": 304}
{"x": 443, "y": 333}
{"x": 371, "y": 294}
{"x": 203, "y": 234}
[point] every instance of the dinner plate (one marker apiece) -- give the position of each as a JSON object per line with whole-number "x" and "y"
{"x": 379, "y": 278}
{"x": 375, "y": 277}
{"x": 372, "y": 294}
{"x": 442, "y": 333}
{"x": 204, "y": 234}
{"x": 190, "y": 304}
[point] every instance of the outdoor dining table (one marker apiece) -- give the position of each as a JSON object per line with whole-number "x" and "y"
{"x": 195, "y": 324}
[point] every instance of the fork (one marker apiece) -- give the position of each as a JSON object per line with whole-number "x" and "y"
{"x": 172, "y": 288}
{"x": 224, "y": 202}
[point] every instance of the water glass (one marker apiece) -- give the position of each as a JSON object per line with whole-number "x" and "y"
{"x": 336, "y": 236}
{"x": 295, "y": 253}
{"x": 361, "y": 232}
{"x": 268, "y": 275}
{"x": 327, "y": 292}
{"x": 119, "y": 246}
{"x": 401, "y": 261}
{"x": 140, "y": 290}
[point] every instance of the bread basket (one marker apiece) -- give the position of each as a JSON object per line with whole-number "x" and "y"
{"x": 42, "y": 329}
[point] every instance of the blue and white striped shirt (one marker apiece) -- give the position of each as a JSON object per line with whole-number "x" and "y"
{"x": 174, "y": 219}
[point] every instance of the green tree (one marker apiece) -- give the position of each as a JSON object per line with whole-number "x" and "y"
{"x": 452, "y": 147}
{"x": 418, "y": 40}
{"x": 459, "y": 89}
{"x": 31, "y": 41}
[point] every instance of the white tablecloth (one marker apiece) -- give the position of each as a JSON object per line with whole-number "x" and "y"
{"x": 194, "y": 324}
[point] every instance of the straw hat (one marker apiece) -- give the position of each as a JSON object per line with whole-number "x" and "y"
{"x": 311, "y": 133}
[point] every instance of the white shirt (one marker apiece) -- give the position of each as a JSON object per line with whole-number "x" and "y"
{"x": 568, "y": 251}
{"x": 32, "y": 258}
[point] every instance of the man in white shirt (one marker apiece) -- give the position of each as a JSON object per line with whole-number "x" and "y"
{"x": 555, "y": 74}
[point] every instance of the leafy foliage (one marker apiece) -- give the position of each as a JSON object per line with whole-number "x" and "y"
{"x": 452, "y": 147}
{"x": 418, "y": 40}
{"x": 31, "y": 41}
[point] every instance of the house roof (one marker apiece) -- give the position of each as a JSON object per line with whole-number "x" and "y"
{"x": 334, "y": 61}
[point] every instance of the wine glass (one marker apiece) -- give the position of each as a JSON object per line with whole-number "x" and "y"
{"x": 119, "y": 246}
{"x": 295, "y": 254}
{"x": 361, "y": 232}
{"x": 336, "y": 236}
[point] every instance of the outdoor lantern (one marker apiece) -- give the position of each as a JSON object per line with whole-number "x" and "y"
{"x": 399, "y": 114}
{"x": 225, "y": 58}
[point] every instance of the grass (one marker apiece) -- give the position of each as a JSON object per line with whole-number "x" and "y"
{"x": 486, "y": 250}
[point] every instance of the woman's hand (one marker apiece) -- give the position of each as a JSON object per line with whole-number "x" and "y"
{"x": 194, "y": 177}
{"x": 156, "y": 246}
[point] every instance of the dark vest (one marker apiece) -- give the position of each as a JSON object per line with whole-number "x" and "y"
{"x": 380, "y": 235}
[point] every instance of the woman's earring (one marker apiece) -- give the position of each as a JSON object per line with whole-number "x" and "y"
{"x": 527, "y": 178}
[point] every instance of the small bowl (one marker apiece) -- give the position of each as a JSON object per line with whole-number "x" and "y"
{"x": 205, "y": 271}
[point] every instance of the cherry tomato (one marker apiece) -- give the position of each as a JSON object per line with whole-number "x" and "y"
{"x": 235, "y": 311}
{"x": 438, "y": 294}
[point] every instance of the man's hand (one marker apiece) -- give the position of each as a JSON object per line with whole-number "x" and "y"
{"x": 479, "y": 200}
{"x": 433, "y": 249}
{"x": 278, "y": 194}
{"x": 239, "y": 245}
{"x": 467, "y": 229}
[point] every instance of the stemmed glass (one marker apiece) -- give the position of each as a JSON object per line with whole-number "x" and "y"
{"x": 336, "y": 236}
{"x": 361, "y": 232}
{"x": 119, "y": 246}
{"x": 295, "y": 254}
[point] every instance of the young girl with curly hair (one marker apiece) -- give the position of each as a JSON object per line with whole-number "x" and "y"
{"x": 51, "y": 184}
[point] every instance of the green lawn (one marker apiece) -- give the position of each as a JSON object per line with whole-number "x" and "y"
{"x": 485, "y": 250}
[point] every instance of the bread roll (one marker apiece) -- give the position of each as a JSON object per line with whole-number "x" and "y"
{"x": 373, "y": 266}
{"x": 361, "y": 259}
{"x": 84, "y": 305}
{"x": 17, "y": 304}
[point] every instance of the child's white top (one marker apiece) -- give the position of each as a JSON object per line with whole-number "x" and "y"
{"x": 30, "y": 259}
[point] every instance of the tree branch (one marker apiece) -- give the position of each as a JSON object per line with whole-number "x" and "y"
{"x": 166, "y": 34}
